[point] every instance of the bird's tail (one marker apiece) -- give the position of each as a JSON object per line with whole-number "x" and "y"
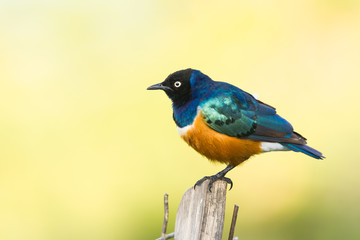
{"x": 304, "y": 149}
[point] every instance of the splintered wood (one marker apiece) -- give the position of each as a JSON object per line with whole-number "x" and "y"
{"x": 201, "y": 213}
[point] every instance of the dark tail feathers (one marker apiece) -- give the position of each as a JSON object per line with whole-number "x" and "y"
{"x": 304, "y": 149}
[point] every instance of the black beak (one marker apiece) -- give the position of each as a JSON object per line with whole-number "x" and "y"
{"x": 159, "y": 86}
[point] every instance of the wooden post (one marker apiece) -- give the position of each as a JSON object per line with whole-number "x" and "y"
{"x": 233, "y": 222}
{"x": 166, "y": 215}
{"x": 201, "y": 213}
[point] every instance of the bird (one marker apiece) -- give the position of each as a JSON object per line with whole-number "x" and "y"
{"x": 226, "y": 124}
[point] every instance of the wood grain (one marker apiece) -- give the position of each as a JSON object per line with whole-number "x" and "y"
{"x": 201, "y": 213}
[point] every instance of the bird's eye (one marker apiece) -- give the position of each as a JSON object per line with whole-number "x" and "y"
{"x": 177, "y": 84}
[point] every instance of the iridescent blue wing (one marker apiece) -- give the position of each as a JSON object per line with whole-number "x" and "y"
{"x": 239, "y": 114}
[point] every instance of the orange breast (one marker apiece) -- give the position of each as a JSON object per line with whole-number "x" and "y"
{"x": 219, "y": 147}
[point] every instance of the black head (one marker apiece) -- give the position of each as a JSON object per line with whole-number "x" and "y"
{"x": 177, "y": 86}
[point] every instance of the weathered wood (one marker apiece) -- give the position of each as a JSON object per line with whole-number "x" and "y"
{"x": 233, "y": 222}
{"x": 168, "y": 236}
{"x": 201, "y": 213}
{"x": 166, "y": 215}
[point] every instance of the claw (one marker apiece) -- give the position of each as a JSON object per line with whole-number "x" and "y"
{"x": 213, "y": 179}
{"x": 199, "y": 182}
{"x": 228, "y": 180}
{"x": 219, "y": 176}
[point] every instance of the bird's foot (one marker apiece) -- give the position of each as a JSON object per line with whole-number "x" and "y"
{"x": 213, "y": 179}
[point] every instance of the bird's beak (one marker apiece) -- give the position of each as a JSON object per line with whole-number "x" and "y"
{"x": 159, "y": 86}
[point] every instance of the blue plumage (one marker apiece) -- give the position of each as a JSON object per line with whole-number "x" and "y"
{"x": 234, "y": 112}
{"x": 233, "y": 125}
{"x": 304, "y": 149}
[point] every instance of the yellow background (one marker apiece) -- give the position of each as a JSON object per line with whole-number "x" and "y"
{"x": 87, "y": 153}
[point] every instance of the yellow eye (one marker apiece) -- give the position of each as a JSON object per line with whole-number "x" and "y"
{"x": 177, "y": 84}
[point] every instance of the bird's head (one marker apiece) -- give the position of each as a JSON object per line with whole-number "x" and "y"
{"x": 177, "y": 86}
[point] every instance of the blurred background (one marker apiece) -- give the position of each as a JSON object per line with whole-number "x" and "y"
{"x": 87, "y": 153}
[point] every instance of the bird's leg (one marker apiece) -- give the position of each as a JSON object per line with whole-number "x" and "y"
{"x": 219, "y": 176}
